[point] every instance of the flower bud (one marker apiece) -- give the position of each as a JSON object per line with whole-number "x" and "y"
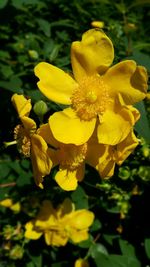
{"x": 145, "y": 151}
{"x": 81, "y": 263}
{"x": 33, "y": 54}
{"x": 40, "y": 108}
{"x": 98, "y": 24}
{"x": 124, "y": 173}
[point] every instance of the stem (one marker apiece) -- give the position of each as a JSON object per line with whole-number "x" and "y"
{"x": 7, "y": 185}
{"x": 6, "y": 144}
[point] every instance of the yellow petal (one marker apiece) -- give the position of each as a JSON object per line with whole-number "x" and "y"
{"x": 46, "y": 211}
{"x": 29, "y": 124}
{"x": 106, "y": 164}
{"x": 78, "y": 236}
{"x": 116, "y": 125}
{"x": 41, "y": 162}
{"x": 127, "y": 79}
{"x": 7, "y": 203}
{"x": 30, "y": 233}
{"x": 81, "y": 219}
{"x": 47, "y": 135}
{"x": 94, "y": 151}
{"x": 126, "y": 147}
{"x": 94, "y": 54}
{"x": 21, "y": 104}
{"x": 55, "y": 238}
{"x": 16, "y": 207}
{"x": 67, "y": 180}
{"x": 54, "y": 83}
{"x": 69, "y": 129}
{"x": 65, "y": 208}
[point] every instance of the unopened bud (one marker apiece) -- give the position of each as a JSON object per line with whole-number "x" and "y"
{"x": 33, "y": 54}
{"x": 98, "y": 24}
{"x": 81, "y": 263}
{"x": 40, "y": 108}
{"x": 124, "y": 173}
{"x": 145, "y": 151}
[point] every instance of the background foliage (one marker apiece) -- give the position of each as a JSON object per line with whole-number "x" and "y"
{"x": 35, "y": 30}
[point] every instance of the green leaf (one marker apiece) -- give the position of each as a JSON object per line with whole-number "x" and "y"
{"x": 79, "y": 197}
{"x": 30, "y": 264}
{"x": 36, "y": 260}
{"x": 86, "y": 243}
{"x": 14, "y": 85}
{"x": 142, "y": 126}
{"x": 96, "y": 225}
{"x": 110, "y": 238}
{"x": 60, "y": 264}
{"x": 96, "y": 249}
{"x": 54, "y": 53}
{"x": 44, "y": 26}
{"x": 147, "y": 247}
{"x": 101, "y": 260}
{"x": 126, "y": 248}
{"x": 124, "y": 261}
{"x": 141, "y": 58}
{"x": 138, "y": 3}
{"x": 3, "y": 3}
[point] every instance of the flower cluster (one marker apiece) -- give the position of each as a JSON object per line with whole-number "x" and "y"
{"x": 61, "y": 224}
{"x": 97, "y": 126}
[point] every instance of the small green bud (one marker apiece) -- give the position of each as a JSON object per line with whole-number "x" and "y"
{"x": 40, "y": 108}
{"x": 124, "y": 173}
{"x": 144, "y": 172}
{"x": 33, "y": 54}
{"x": 145, "y": 151}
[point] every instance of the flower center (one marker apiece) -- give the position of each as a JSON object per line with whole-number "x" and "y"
{"x": 90, "y": 98}
{"x": 72, "y": 156}
{"x": 23, "y": 140}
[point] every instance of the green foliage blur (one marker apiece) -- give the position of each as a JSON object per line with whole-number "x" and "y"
{"x": 42, "y": 30}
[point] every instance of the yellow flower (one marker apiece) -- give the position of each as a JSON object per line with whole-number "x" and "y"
{"x": 69, "y": 157}
{"x": 72, "y": 158}
{"x": 60, "y": 224}
{"x": 8, "y": 203}
{"x": 29, "y": 142}
{"x": 81, "y": 263}
{"x": 97, "y": 94}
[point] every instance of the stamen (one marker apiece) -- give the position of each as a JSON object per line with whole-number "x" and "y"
{"x": 90, "y": 98}
{"x": 23, "y": 140}
{"x": 72, "y": 156}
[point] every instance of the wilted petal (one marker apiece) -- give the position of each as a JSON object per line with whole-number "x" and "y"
{"x": 21, "y": 104}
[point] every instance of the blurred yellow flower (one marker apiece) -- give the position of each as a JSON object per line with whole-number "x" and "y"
{"x": 98, "y": 24}
{"x": 60, "y": 224}
{"x": 99, "y": 95}
{"x": 8, "y": 203}
{"x": 81, "y": 263}
{"x": 29, "y": 142}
